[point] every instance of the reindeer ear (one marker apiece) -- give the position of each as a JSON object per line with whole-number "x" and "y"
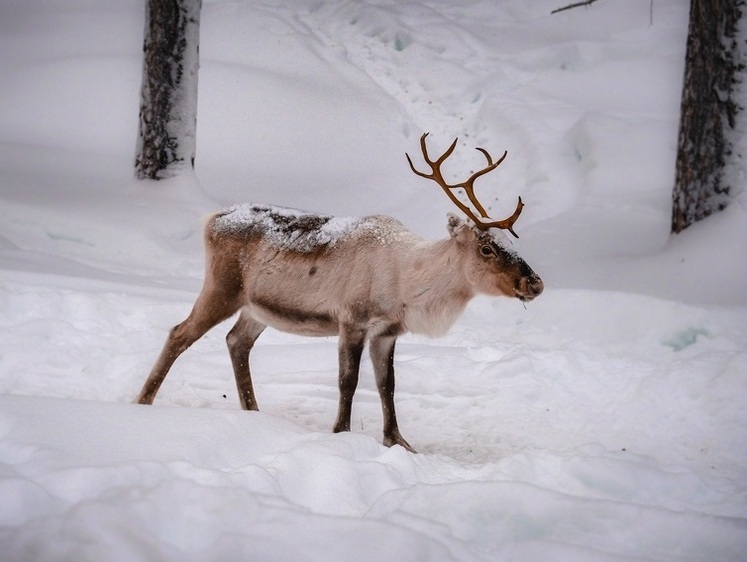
{"x": 455, "y": 224}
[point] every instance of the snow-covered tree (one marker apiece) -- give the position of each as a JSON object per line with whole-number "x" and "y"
{"x": 168, "y": 96}
{"x": 709, "y": 112}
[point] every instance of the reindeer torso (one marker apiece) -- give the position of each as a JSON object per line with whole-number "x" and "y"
{"x": 307, "y": 273}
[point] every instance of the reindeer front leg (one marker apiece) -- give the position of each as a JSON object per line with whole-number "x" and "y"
{"x": 350, "y": 349}
{"x": 382, "y": 356}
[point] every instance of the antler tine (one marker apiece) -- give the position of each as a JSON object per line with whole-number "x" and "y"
{"x": 437, "y": 177}
{"x": 468, "y": 186}
{"x": 435, "y": 165}
{"x": 441, "y": 158}
{"x": 505, "y": 224}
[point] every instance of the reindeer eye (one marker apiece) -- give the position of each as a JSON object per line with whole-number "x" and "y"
{"x": 486, "y": 251}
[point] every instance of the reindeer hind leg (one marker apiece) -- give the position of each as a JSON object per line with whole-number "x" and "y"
{"x": 211, "y": 308}
{"x": 240, "y": 341}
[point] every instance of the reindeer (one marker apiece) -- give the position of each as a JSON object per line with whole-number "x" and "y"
{"x": 366, "y": 278}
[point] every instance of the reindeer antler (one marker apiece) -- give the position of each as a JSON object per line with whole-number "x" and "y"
{"x": 468, "y": 186}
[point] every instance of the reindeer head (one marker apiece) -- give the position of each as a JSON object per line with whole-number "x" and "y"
{"x": 492, "y": 267}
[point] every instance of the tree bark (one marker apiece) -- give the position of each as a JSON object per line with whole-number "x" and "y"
{"x": 709, "y": 110}
{"x": 168, "y": 96}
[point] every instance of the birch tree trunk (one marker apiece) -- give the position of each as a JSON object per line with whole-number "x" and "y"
{"x": 705, "y": 148}
{"x": 168, "y": 96}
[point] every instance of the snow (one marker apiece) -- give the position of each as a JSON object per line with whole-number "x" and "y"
{"x": 604, "y": 422}
{"x": 290, "y": 229}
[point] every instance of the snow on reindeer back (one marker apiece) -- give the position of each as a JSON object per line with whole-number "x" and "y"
{"x": 300, "y": 231}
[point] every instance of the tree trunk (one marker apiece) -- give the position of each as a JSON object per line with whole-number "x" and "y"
{"x": 705, "y": 147}
{"x": 168, "y": 96}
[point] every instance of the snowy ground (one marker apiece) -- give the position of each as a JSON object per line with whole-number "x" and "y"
{"x": 604, "y": 422}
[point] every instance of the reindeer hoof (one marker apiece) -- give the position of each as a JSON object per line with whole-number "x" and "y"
{"x": 397, "y": 439}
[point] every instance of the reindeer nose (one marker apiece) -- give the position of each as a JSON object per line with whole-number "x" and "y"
{"x": 531, "y": 287}
{"x": 536, "y": 286}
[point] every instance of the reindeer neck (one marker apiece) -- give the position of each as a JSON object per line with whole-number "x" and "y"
{"x": 437, "y": 288}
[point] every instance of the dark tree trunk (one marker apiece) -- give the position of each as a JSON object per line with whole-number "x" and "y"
{"x": 709, "y": 110}
{"x": 168, "y": 96}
